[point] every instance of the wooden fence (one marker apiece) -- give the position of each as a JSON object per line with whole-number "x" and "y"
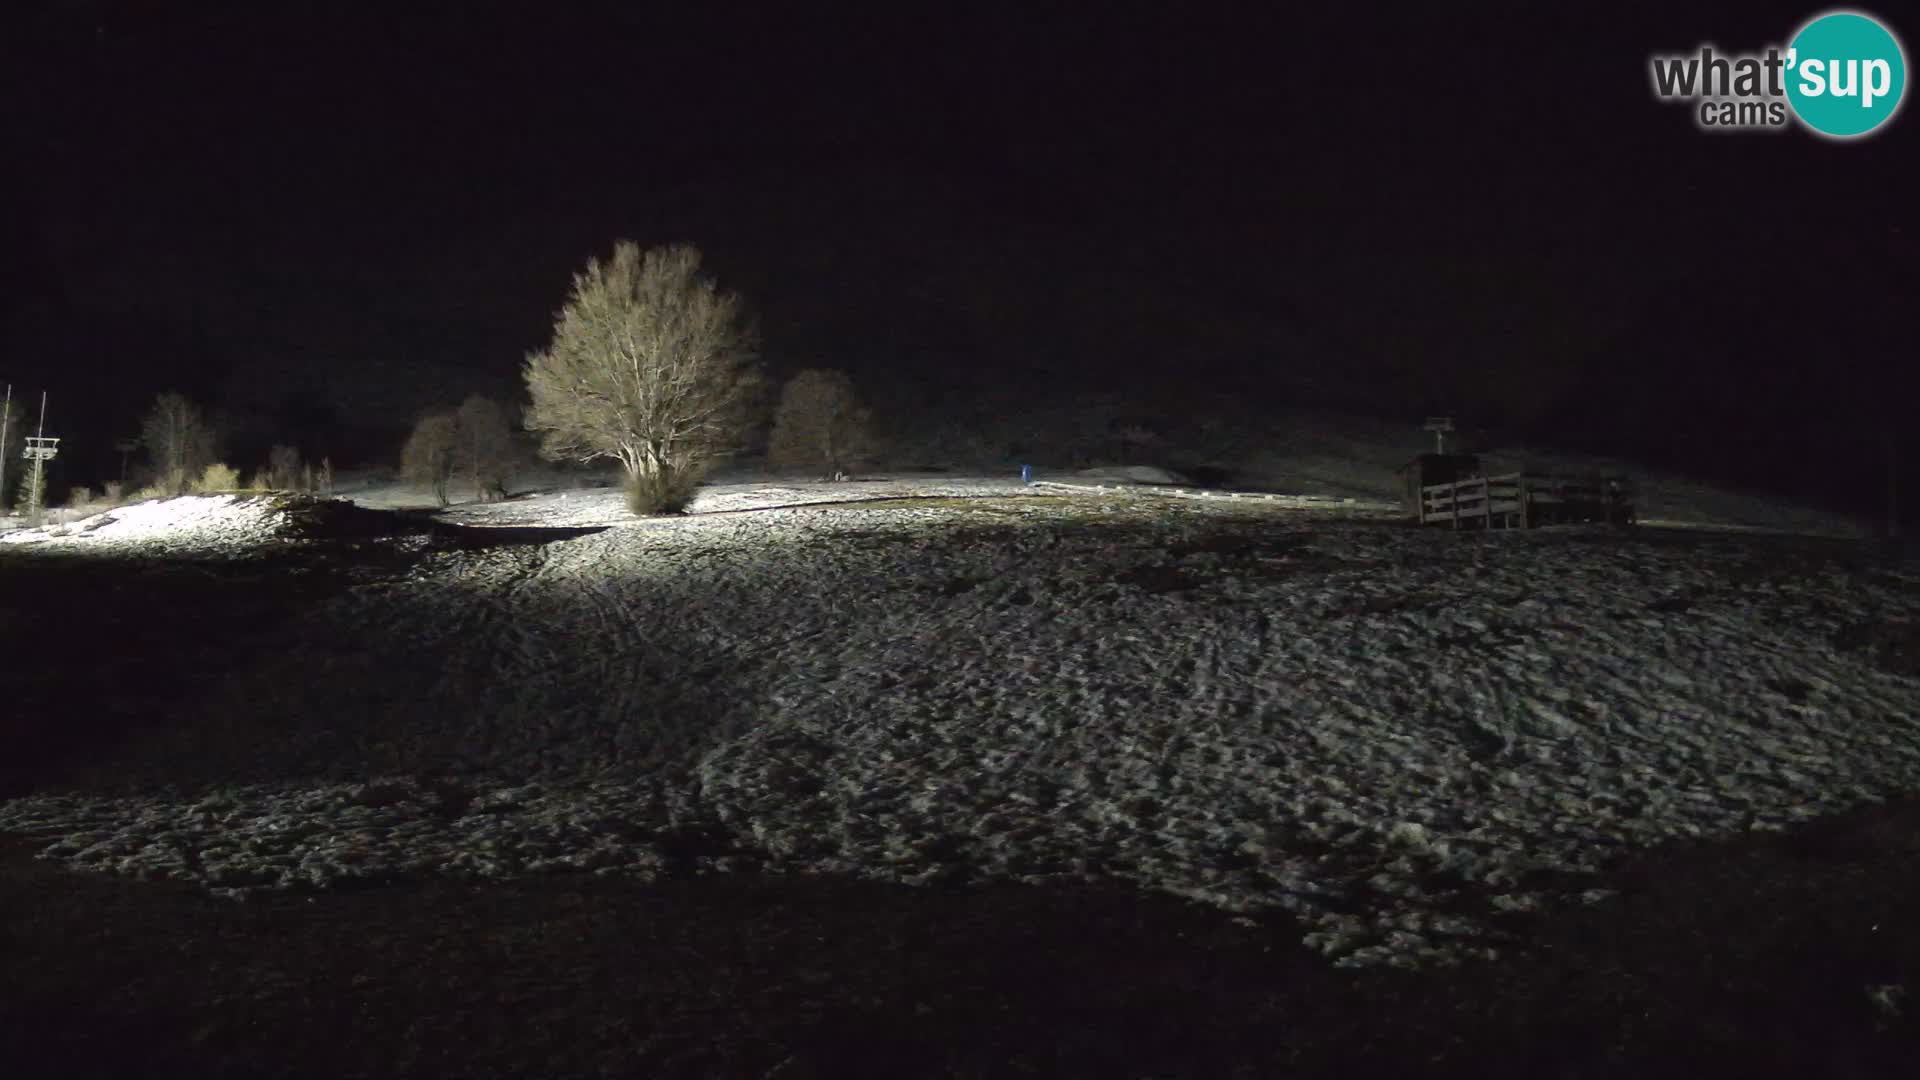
{"x": 1527, "y": 500}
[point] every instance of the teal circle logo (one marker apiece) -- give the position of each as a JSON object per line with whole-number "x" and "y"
{"x": 1846, "y": 74}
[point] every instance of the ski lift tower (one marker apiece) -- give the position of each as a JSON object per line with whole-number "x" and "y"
{"x": 1439, "y": 425}
{"x": 39, "y": 450}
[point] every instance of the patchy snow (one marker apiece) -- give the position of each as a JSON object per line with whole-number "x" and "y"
{"x": 1398, "y": 735}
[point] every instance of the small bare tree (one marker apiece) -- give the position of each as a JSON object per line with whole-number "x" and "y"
{"x": 283, "y": 464}
{"x": 427, "y": 458}
{"x": 178, "y": 440}
{"x": 485, "y": 453}
{"x": 650, "y": 364}
{"x": 820, "y": 422}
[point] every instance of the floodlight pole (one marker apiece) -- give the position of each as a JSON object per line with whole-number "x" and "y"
{"x": 36, "y": 505}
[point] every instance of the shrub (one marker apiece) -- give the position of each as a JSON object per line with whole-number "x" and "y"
{"x": 1135, "y": 436}
{"x": 80, "y": 498}
{"x": 114, "y": 492}
{"x": 218, "y": 477}
{"x": 667, "y": 490}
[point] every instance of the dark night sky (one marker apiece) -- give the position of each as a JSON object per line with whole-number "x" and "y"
{"x": 1480, "y": 210}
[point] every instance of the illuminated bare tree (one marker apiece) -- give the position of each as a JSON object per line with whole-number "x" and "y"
{"x": 178, "y": 440}
{"x": 820, "y": 422}
{"x": 651, "y": 364}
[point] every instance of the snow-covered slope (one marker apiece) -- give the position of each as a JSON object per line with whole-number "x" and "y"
{"x": 192, "y": 524}
{"x": 1395, "y": 734}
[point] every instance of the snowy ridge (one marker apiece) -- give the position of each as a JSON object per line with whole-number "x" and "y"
{"x": 1395, "y": 734}
{"x": 1298, "y": 502}
{"x": 607, "y": 506}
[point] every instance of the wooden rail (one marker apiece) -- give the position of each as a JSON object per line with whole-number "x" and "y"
{"x": 1527, "y": 500}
